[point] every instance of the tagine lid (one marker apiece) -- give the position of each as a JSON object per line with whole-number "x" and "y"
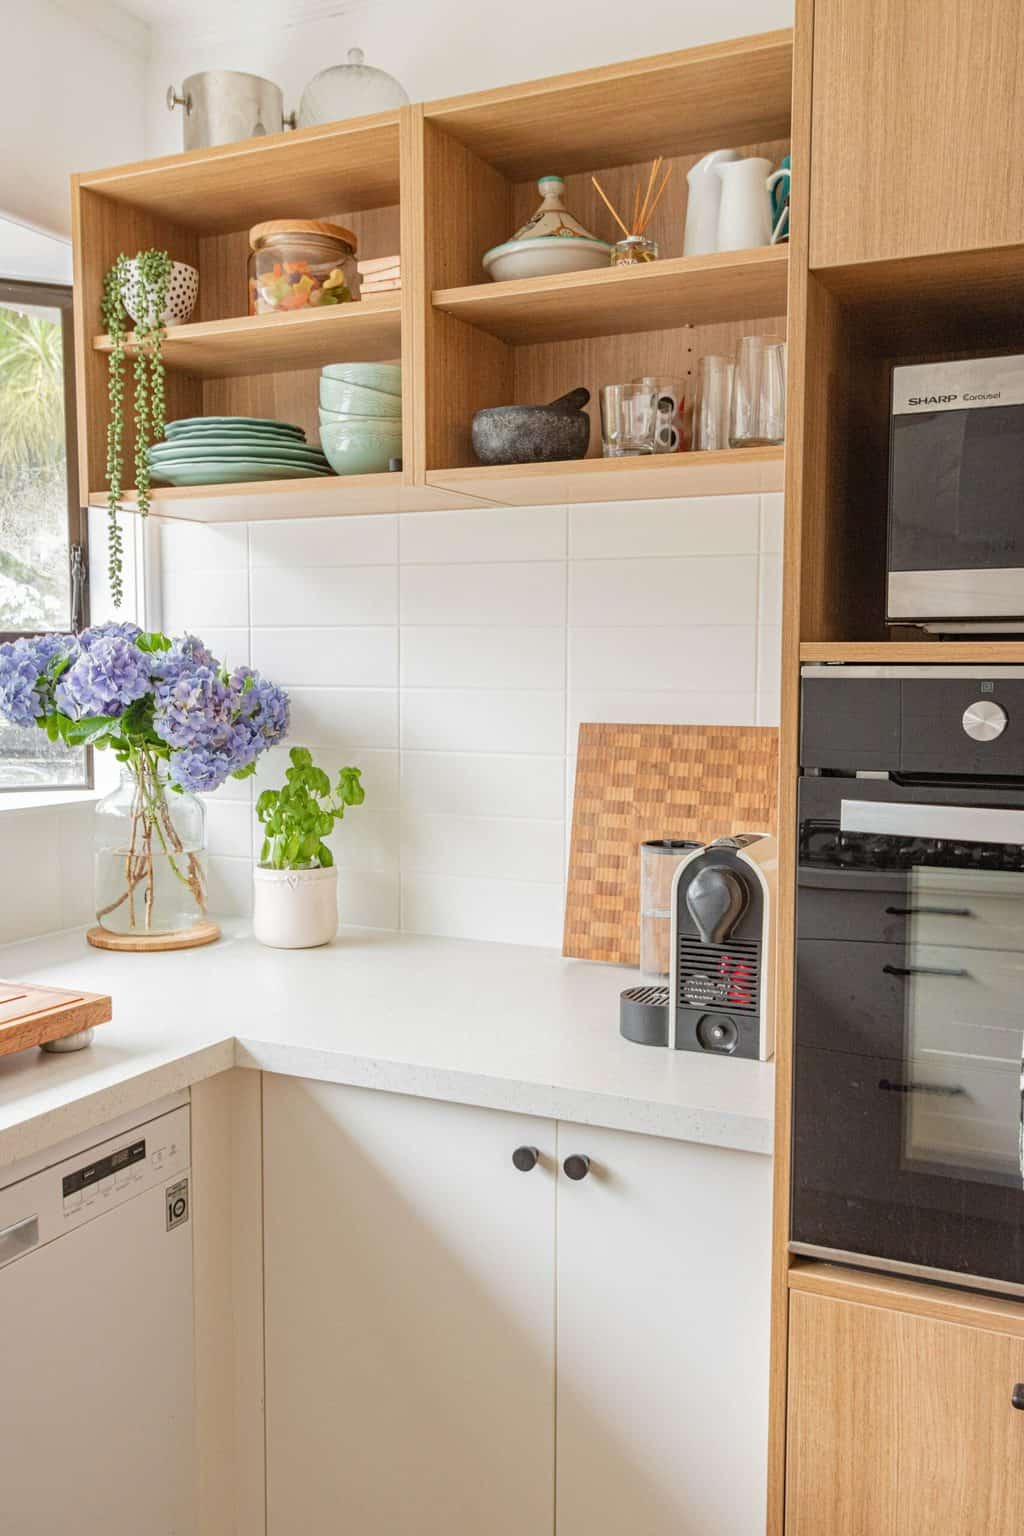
{"x": 552, "y": 219}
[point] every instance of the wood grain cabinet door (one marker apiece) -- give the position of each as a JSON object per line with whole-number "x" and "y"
{"x": 663, "y": 1264}
{"x": 409, "y": 1316}
{"x": 917, "y": 128}
{"x": 900, "y": 1424}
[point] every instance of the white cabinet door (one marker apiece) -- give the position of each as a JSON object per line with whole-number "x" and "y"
{"x": 409, "y": 1316}
{"x": 663, "y": 1307}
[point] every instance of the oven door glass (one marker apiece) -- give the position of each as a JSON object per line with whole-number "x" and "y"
{"x": 910, "y": 1029}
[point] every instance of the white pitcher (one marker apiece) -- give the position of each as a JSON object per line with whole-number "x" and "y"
{"x": 745, "y": 214}
{"x": 702, "y": 202}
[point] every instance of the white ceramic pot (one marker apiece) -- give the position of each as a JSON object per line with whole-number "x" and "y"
{"x": 703, "y": 200}
{"x": 295, "y": 908}
{"x": 545, "y": 256}
{"x": 182, "y": 292}
{"x": 745, "y": 215}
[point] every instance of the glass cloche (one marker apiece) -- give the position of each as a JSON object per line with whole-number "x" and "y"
{"x": 354, "y": 89}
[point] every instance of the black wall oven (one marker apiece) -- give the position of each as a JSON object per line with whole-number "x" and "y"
{"x": 908, "y": 1117}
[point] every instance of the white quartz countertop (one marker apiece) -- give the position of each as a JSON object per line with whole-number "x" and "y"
{"x": 499, "y": 1025}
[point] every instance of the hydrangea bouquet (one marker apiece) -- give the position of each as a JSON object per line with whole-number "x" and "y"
{"x": 175, "y": 717}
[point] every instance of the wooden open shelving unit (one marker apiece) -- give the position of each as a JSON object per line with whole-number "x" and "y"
{"x": 442, "y": 183}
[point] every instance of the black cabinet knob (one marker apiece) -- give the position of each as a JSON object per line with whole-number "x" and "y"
{"x": 525, "y": 1158}
{"x": 1017, "y": 1395}
{"x": 576, "y": 1166}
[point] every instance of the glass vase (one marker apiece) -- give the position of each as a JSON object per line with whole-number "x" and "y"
{"x": 150, "y": 865}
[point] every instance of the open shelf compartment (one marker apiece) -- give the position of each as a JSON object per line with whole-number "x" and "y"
{"x": 530, "y": 341}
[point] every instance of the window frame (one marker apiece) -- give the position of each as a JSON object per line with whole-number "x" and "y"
{"x": 60, "y": 296}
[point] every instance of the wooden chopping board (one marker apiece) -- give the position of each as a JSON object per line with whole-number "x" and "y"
{"x": 31, "y": 1015}
{"x": 638, "y": 782}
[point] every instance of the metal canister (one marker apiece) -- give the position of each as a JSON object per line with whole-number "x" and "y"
{"x": 222, "y": 106}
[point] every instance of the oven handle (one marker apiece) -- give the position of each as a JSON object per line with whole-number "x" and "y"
{"x": 922, "y": 970}
{"x": 927, "y": 912}
{"x": 939, "y": 1088}
{"x": 951, "y": 823}
{"x": 1020, "y": 1140}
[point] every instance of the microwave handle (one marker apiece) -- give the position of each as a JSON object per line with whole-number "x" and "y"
{"x": 951, "y": 823}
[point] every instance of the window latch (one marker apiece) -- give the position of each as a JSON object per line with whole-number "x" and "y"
{"x": 77, "y": 555}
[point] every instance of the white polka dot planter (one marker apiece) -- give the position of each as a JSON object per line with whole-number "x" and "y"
{"x": 182, "y": 292}
{"x": 295, "y": 908}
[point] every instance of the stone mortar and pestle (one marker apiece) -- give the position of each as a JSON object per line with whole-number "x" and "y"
{"x": 533, "y": 434}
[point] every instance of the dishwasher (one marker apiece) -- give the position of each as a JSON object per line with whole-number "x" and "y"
{"x": 96, "y": 1343}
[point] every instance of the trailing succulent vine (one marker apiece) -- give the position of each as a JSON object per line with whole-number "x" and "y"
{"x": 145, "y": 281}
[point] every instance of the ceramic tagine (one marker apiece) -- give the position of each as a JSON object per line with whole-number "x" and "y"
{"x": 551, "y": 241}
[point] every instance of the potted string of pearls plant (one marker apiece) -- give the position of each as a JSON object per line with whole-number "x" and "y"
{"x": 295, "y": 898}
{"x": 153, "y": 291}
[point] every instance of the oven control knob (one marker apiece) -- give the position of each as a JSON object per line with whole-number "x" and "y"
{"x": 984, "y": 720}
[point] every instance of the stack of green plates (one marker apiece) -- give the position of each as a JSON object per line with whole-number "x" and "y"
{"x": 218, "y": 450}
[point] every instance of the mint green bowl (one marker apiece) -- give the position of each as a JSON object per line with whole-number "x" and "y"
{"x": 359, "y": 451}
{"x": 383, "y": 376}
{"x": 356, "y": 400}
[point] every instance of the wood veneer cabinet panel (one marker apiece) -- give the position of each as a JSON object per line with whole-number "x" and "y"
{"x": 918, "y": 128}
{"x": 900, "y": 1424}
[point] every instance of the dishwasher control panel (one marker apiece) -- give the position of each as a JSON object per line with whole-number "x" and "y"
{"x": 60, "y": 1198}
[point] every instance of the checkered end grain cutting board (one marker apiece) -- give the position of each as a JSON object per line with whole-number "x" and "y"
{"x": 636, "y": 782}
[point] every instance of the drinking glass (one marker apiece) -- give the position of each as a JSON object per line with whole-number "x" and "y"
{"x": 629, "y": 419}
{"x": 711, "y": 408}
{"x": 773, "y": 393}
{"x": 745, "y": 411}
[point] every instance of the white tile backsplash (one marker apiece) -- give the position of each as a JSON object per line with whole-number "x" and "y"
{"x": 495, "y": 847}
{"x": 324, "y": 541}
{"x": 503, "y": 533}
{"x": 703, "y": 525}
{"x": 193, "y": 600}
{"x": 769, "y": 606}
{"x": 505, "y": 911}
{"x": 348, "y": 717}
{"x": 483, "y": 784}
{"x": 481, "y": 720}
{"x": 705, "y": 589}
{"x": 516, "y": 624}
{"x": 525, "y": 593}
{"x": 316, "y": 595}
{"x": 675, "y": 658}
{"x": 356, "y": 657}
{"x": 476, "y": 656}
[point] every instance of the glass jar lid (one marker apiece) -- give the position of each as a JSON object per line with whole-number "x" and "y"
{"x": 261, "y": 233}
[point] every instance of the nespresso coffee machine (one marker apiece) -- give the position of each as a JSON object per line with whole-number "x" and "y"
{"x": 720, "y": 993}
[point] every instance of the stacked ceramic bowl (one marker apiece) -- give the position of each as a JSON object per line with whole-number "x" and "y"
{"x": 361, "y": 417}
{"x": 221, "y": 450}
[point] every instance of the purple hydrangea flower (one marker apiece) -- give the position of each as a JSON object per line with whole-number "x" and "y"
{"x": 183, "y": 656}
{"x": 22, "y": 665}
{"x": 107, "y": 675}
{"x": 264, "y": 707}
{"x": 113, "y": 630}
{"x": 199, "y": 769}
{"x": 194, "y": 708}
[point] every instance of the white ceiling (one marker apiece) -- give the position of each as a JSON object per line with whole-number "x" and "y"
{"x": 225, "y": 15}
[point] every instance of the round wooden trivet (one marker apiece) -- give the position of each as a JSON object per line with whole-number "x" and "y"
{"x": 181, "y": 938}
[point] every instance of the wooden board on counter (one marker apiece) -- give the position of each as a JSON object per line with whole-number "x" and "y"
{"x": 637, "y": 782}
{"x": 31, "y": 1015}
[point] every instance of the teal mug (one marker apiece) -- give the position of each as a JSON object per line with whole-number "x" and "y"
{"x": 778, "y": 186}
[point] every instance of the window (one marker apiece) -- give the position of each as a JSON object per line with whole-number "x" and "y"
{"x": 42, "y": 527}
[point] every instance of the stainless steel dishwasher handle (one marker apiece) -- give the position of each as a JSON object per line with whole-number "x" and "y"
{"x": 951, "y": 823}
{"x": 1020, "y": 1133}
{"x": 16, "y": 1240}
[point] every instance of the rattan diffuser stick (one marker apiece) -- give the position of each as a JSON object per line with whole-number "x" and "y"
{"x": 644, "y": 205}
